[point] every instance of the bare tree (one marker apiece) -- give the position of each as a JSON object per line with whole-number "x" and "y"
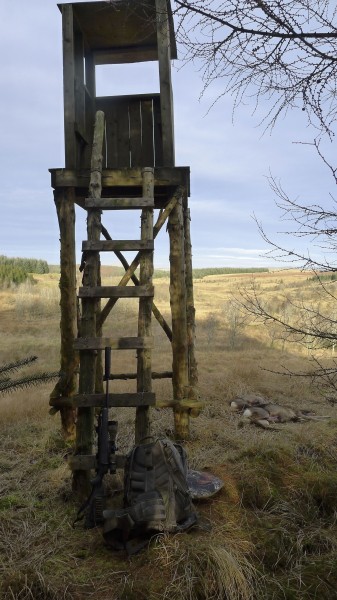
{"x": 281, "y": 50}
{"x": 236, "y": 320}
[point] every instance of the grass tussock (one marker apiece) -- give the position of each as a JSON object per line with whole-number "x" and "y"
{"x": 200, "y": 568}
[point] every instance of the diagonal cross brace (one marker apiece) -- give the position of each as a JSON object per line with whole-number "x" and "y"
{"x": 130, "y": 269}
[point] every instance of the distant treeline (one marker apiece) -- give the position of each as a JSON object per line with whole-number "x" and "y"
{"x": 200, "y": 273}
{"x": 18, "y": 270}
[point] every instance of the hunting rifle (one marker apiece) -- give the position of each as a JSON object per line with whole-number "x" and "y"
{"x": 92, "y": 509}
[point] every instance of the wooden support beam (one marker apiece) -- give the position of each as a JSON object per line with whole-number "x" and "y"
{"x": 179, "y": 324}
{"x": 119, "y": 203}
{"x": 165, "y": 177}
{"x": 190, "y": 311}
{"x": 166, "y": 97}
{"x": 70, "y": 143}
{"x": 66, "y": 385}
{"x": 132, "y": 54}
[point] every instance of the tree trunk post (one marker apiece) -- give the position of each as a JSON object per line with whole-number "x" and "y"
{"x": 66, "y": 385}
{"x": 90, "y": 310}
{"x": 144, "y": 368}
{"x": 179, "y": 320}
{"x": 190, "y": 313}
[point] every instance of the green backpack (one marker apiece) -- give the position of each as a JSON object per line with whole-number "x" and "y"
{"x": 156, "y": 496}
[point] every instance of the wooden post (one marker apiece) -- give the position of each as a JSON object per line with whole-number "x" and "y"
{"x": 90, "y": 308}
{"x": 179, "y": 321}
{"x": 166, "y": 97}
{"x": 69, "y": 86}
{"x": 144, "y": 375}
{"x": 66, "y": 385}
{"x": 190, "y": 310}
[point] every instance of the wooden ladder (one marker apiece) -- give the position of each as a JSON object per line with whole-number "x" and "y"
{"x": 91, "y": 341}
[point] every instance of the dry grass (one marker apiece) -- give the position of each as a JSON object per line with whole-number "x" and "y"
{"x": 274, "y": 532}
{"x": 200, "y": 568}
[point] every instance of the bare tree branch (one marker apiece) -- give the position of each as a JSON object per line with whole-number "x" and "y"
{"x": 284, "y": 51}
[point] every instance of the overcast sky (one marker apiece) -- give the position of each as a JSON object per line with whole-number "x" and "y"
{"x": 229, "y": 161}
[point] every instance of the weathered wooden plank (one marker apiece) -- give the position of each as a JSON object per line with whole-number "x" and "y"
{"x": 79, "y": 84}
{"x": 126, "y": 55}
{"x": 112, "y": 245}
{"x": 116, "y": 291}
{"x": 132, "y": 399}
{"x": 119, "y": 203}
{"x": 90, "y": 93}
{"x": 147, "y": 154}
{"x": 86, "y": 462}
{"x": 135, "y": 133}
{"x": 121, "y": 343}
{"x": 106, "y": 100}
{"x": 123, "y": 138}
{"x": 109, "y": 109}
{"x": 90, "y": 73}
{"x": 157, "y": 133}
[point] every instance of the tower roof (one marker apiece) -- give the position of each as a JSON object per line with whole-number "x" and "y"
{"x": 119, "y": 31}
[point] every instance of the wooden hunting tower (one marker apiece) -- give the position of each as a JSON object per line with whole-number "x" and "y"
{"x": 119, "y": 155}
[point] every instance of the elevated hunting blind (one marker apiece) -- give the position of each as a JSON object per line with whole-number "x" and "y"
{"x": 119, "y": 155}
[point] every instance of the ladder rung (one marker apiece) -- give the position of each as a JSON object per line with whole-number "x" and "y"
{"x": 119, "y": 203}
{"x": 115, "y": 400}
{"x": 122, "y": 343}
{"x": 111, "y": 245}
{"x": 86, "y": 462}
{"x": 138, "y": 291}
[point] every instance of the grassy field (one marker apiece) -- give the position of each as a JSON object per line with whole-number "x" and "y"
{"x": 274, "y": 530}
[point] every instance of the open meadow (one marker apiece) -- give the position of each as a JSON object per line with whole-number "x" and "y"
{"x": 273, "y": 525}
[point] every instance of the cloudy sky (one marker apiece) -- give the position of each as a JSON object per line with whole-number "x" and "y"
{"x": 230, "y": 161}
